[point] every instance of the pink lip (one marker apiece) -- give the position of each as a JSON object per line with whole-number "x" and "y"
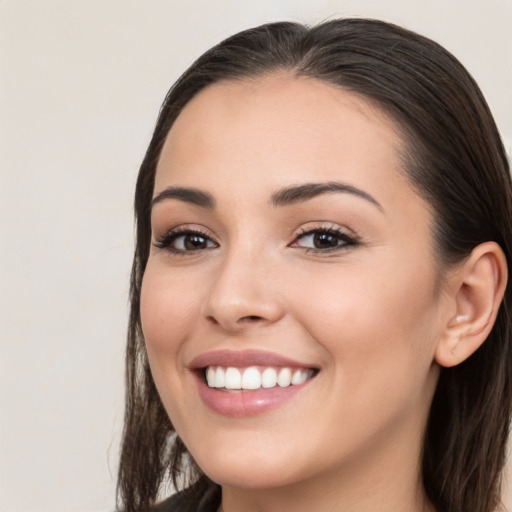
{"x": 242, "y": 403}
{"x": 243, "y": 359}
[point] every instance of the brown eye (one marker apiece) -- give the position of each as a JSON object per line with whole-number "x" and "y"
{"x": 192, "y": 242}
{"x": 324, "y": 240}
{"x": 185, "y": 241}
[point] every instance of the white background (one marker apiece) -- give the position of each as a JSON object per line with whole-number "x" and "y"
{"x": 80, "y": 87}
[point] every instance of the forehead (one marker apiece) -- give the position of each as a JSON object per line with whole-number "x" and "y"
{"x": 279, "y": 129}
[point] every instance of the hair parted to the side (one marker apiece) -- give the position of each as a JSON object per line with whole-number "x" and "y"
{"x": 455, "y": 159}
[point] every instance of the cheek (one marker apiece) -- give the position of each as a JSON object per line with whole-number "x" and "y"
{"x": 166, "y": 307}
{"x": 373, "y": 322}
{"x": 168, "y": 310}
{"x": 379, "y": 339}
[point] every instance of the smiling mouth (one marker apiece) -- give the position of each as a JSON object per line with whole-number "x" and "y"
{"x": 231, "y": 378}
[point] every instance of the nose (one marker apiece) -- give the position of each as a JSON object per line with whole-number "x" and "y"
{"x": 243, "y": 294}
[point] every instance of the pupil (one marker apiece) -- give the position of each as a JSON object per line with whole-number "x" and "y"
{"x": 324, "y": 240}
{"x": 194, "y": 242}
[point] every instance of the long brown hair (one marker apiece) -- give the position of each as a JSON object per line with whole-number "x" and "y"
{"x": 456, "y": 161}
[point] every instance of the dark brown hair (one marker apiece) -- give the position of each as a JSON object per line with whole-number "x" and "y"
{"x": 455, "y": 159}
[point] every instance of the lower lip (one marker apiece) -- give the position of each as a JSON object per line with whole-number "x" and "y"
{"x": 241, "y": 403}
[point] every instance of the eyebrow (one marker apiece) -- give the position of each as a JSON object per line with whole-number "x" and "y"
{"x": 300, "y": 193}
{"x": 187, "y": 195}
{"x": 283, "y": 197}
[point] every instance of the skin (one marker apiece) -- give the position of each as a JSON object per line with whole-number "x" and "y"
{"x": 370, "y": 316}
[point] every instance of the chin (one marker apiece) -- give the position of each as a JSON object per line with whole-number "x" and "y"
{"x": 243, "y": 470}
{"x": 248, "y": 477}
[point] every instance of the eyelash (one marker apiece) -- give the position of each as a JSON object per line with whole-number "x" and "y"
{"x": 166, "y": 241}
{"x": 335, "y": 231}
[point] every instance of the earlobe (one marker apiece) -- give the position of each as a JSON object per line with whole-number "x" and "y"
{"x": 476, "y": 290}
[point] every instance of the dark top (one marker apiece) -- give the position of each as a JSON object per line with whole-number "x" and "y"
{"x": 207, "y": 500}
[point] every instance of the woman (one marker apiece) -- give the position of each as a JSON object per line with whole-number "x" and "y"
{"x": 320, "y": 310}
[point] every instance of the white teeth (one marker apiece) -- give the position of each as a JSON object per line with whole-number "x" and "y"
{"x": 284, "y": 379}
{"x": 253, "y": 378}
{"x": 210, "y": 377}
{"x": 220, "y": 378}
{"x": 269, "y": 378}
{"x": 299, "y": 377}
{"x": 233, "y": 378}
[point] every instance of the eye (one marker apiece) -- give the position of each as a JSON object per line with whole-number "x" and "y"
{"x": 183, "y": 240}
{"x": 324, "y": 239}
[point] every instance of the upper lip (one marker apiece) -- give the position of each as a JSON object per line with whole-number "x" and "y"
{"x": 245, "y": 358}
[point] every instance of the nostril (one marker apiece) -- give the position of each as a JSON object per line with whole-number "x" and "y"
{"x": 241, "y": 320}
{"x": 250, "y": 318}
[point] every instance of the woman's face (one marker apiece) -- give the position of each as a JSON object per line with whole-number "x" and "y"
{"x": 287, "y": 240}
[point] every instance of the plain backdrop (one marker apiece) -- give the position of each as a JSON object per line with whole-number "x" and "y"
{"x": 81, "y": 83}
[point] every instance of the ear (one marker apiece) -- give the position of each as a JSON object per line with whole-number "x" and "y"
{"x": 476, "y": 289}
